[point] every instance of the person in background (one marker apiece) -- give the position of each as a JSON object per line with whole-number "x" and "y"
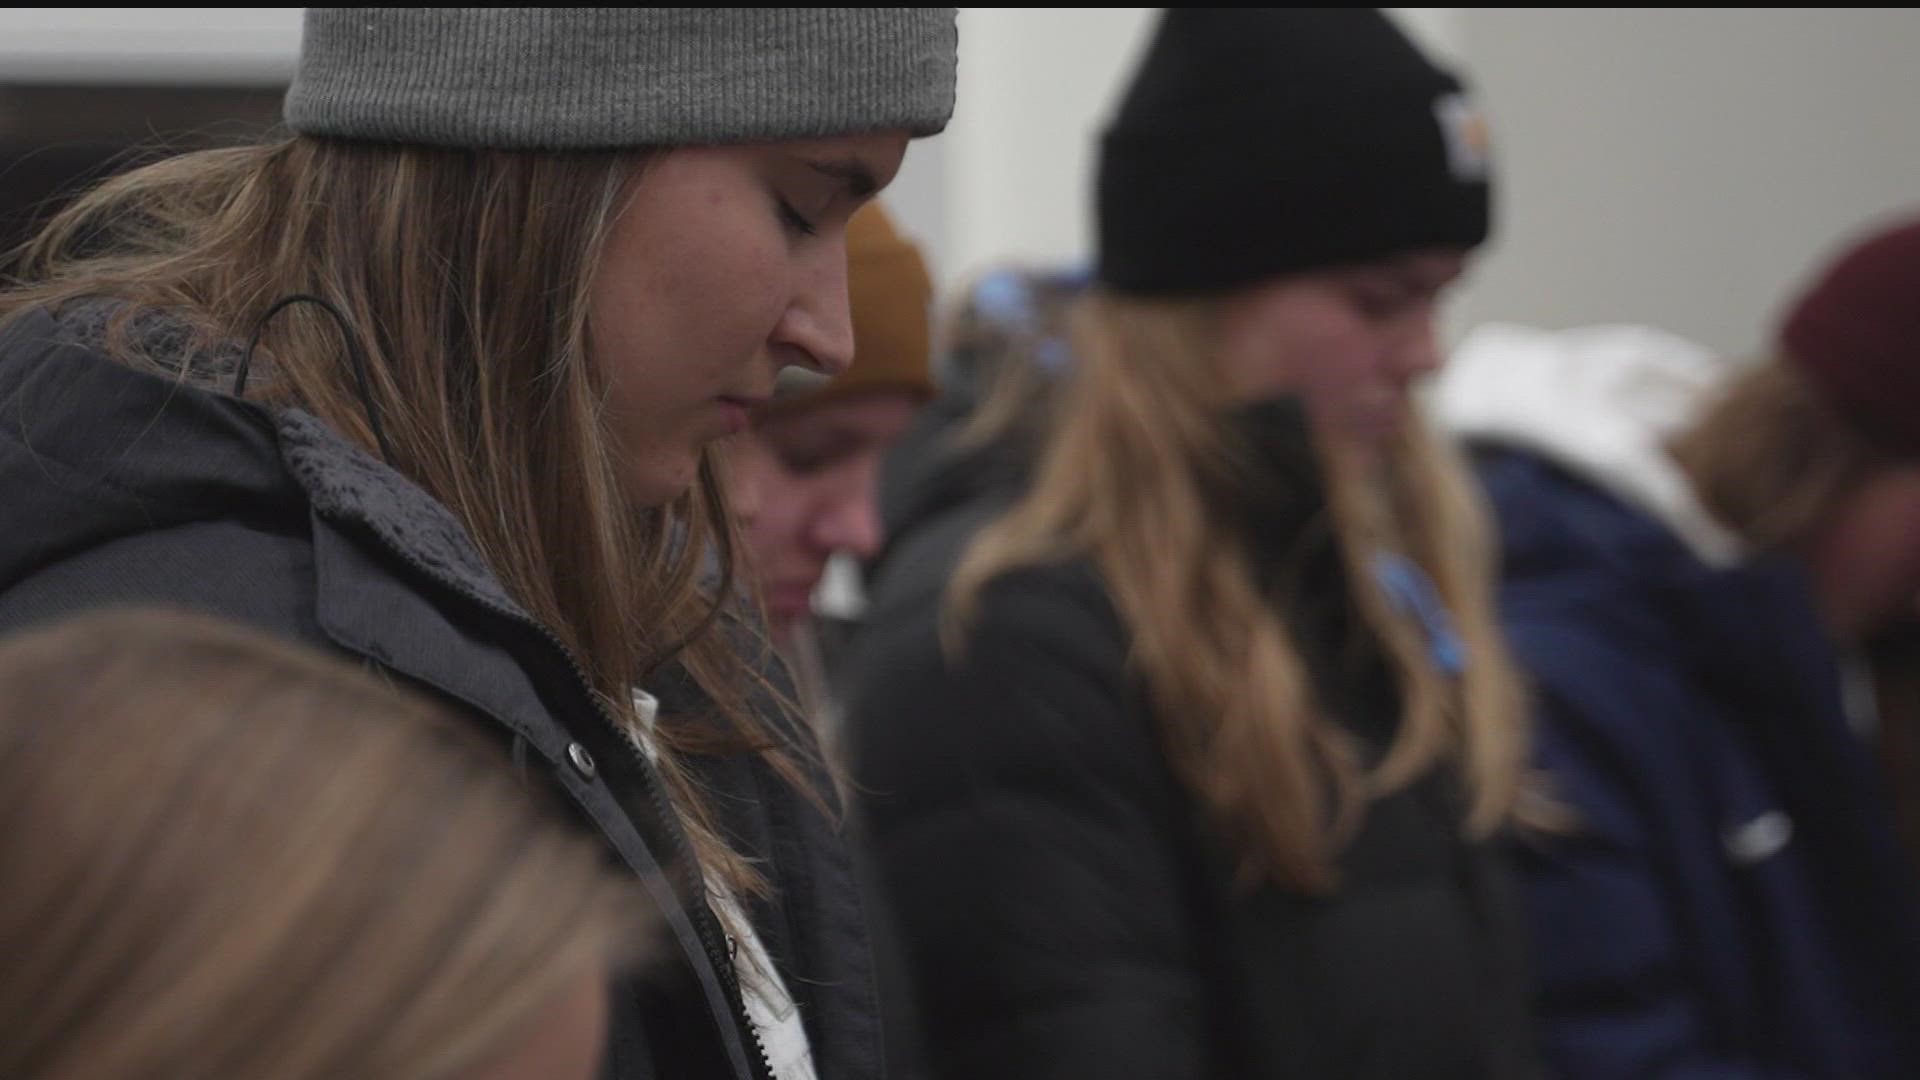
{"x": 227, "y": 857}
{"x": 1200, "y": 764}
{"x": 926, "y": 478}
{"x": 1695, "y": 554}
{"x": 1004, "y": 360}
{"x": 806, "y": 477}
{"x": 1013, "y": 318}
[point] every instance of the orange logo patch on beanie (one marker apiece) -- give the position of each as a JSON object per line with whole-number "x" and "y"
{"x": 1464, "y": 130}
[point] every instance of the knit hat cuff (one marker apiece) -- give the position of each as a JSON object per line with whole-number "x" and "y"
{"x": 608, "y": 78}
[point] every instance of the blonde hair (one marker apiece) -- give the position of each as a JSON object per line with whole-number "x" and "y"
{"x": 1137, "y": 443}
{"x": 465, "y": 276}
{"x": 227, "y": 857}
{"x": 1770, "y": 458}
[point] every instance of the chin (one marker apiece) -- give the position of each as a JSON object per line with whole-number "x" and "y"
{"x": 657, "y": 483}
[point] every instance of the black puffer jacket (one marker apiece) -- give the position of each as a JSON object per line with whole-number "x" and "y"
{"x": 122, "y": 487}
{"x": 1067, "y": 909}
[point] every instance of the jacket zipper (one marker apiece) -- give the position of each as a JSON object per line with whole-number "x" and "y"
{"x": 701, "y": 915}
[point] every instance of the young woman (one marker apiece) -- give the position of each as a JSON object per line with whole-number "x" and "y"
{"x": 1704, "y": 560}
{"x": 432, "y": 380}
{"x": 1198, "y": 770}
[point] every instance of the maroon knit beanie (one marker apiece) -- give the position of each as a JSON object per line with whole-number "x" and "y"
{"x": 1855, "y": 333}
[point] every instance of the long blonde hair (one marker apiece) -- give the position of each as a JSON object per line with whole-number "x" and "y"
{"x": 465, "y": 276}
{"x": 1122, "y": 479}
{"x": 227, "y": 857}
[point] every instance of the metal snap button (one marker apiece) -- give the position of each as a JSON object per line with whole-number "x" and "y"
{"x": 582, "y": 761}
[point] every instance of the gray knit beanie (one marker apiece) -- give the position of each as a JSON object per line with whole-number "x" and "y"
{"x": 609, "y": 78}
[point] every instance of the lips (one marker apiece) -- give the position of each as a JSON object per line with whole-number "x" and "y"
{"x": 737, "y": 411}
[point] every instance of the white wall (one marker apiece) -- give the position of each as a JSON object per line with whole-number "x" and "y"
{"x": 1036, "y": 86}
{"x": 124, "y": 44}
{"x": 1008, "y": 181}
{"x": 1684, "y": 167}
{"x": 1440, "y": 31}
{"x": 1679, "y": 167}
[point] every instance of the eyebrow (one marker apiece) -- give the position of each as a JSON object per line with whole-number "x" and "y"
{"x": 849, "y": 171}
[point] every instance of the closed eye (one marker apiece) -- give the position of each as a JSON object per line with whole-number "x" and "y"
{"x": 796, "y": 221}
{"x": 853, "y": 174}
{"x": 1383, "y": 302}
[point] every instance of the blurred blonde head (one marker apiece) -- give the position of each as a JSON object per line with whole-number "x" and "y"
{"x": 225, "y": 857}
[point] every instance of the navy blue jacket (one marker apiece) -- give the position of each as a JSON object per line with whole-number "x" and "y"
{"x": 1730, "y": 902}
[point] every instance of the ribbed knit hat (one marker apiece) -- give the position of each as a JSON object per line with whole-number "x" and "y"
{"x": 1258, "y": 142}
{"x": 613, "y": 78}
{"x": 1855, "y": 332}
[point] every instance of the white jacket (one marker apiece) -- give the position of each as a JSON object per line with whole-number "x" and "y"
{"x": 1600, "y": 402}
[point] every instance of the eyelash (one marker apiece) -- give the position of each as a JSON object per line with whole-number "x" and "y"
{"x": 794, "y": 221}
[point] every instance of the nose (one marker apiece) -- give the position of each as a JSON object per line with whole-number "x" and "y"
{"x": 851, "y": 523}
{"x": 816, "y": 331}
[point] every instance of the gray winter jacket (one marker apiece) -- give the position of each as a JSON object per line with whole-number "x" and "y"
{"x": 118, "y": 487}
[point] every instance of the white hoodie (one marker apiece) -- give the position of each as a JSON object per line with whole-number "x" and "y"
{"x": 1600, "y": 402}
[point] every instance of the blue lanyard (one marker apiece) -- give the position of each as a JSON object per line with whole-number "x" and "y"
{"x": 1412, "y": 591}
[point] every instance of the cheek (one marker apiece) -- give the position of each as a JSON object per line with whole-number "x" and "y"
{"x": 724, "y": 312}
{"x": 725, "y": 266}
{"x": 1897, "y": 539}
{"x": 748, "y": 479}
{"x": 1879, "y": 542}
{"x": 683, "y": 345}
{"x": 1324, "y": 342}
{"x": 1341, "y": 368}
{"x": 866, "y": 471}
{"x": 1345, "y": 373}
{"x": 689, "y": 292}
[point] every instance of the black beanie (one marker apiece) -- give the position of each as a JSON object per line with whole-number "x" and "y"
{"x": 1254, "y": 143}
